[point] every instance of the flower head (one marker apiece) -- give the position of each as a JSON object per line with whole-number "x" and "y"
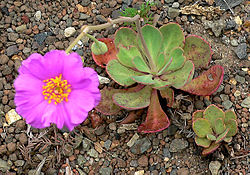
{"x": 55, "y": 88}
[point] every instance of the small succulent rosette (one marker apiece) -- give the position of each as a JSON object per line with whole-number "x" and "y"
{"x": 212, "y": 126}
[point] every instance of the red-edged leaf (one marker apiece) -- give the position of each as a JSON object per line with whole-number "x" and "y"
{"x": 211, "y": 148}
{"x": 207, "y": 83}
{"x": 106, "y": 105}
{"x": 168, "y": 94}
{"x": 102, "y": 60}
{"x": 156, "y": 119}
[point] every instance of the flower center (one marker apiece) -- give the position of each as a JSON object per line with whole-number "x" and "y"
{"x": 56, "y": 90}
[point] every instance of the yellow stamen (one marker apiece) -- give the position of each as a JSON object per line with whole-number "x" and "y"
{"x": 56, "y": 90}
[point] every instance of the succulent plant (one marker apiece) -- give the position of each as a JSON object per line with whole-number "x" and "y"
{"x": 152, "y": 61}
{"x": 212, "y": 126}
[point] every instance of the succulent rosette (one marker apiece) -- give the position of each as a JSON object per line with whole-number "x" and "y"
{"x": 159, "y": 61}
{"x": 55, "y": 88}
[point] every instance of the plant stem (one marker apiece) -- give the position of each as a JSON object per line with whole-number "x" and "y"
{"x": 85, "y": 29}
{"x": 150, "y": 60}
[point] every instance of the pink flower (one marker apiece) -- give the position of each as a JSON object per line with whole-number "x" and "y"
{"x": 55, "y": 88}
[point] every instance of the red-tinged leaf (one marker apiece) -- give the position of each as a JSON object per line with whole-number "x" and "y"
{"x": 156, "y": 119}
{"x": 168, "y": 94}
{"x": 106, "y": 105}
{"x": 96, "y": 119}
{"x": 211, "y": 148}
{"x": 207, "y": 83}
{"x": 102, "y": 60}
{"x": 132, "y": 116}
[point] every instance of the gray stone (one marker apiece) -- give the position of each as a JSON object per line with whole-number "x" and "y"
{"x": 40, "y": 38}
{"x": 4, "y": 59}
{"x": 105, "y": 171}
{"x": 86, "y": 144}
{"x": 169, "y": 1}
{"x": 41, "y": 26}
{"x": 100, "y": 130}
{"x": 225, "y": 40}
{"x": 69, "y": 31}
{"x": 69, "y": 22}
{"x": 170, "y": 131}
{"x": 127, "y": 2}
{"x": 107, "y": 144}
{"x": 216, "y": 26}
{"x": 240, "y": 79}
{"x": 134, "y": 163}
{"x": 38, "y": 15}
{"x": 224, "y": 97}
{"x": 26, "y": 50}
{"x": 101, "y": 18}
{"x": 81, "y": 161}
{"x": 230, "y": 25}
{"x": 246, "y": 103}
{"x": 140, "y": 146}
{"x": 93, "y": 153}
{"x": 112, "y": 126}
{"x": 83, "y": 16}
{"x": 214, "y": 167}
{"x": 166, "y": 152}
{"x": 115, "y": 14}
{"x": 85, "y": 2}
{"x": 234, "y": 42}
{"x": 13, "y": 36}
{"x": 4, "y": 166}
{"x": 199, "y": 104}
{"x": 176, "y": 5}
{"x": 178, "y": 145}
{"x": 241, "y": 51}
{"x": 231, "y": 3}
{"x": 21, "y": 28}
{"x": 19, "y": 163}
{"x": 172, "y": 13}
{"x": 227, "y": 104}
{"x": 11, "y": 50}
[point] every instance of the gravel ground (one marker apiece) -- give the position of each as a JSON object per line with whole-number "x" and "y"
{"x": 29, "y": 26}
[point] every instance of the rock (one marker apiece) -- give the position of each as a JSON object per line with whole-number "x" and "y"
{"x": 112, "y": 126}
{"x": 227, "y": 104}
{"x": 38, "y": 15}
{"x": 11, "y": 50}
{"x": 13, "y": 36}
{"x": 4, "y": 59}
{"x": 231, "y": 24}
{"x": 246, "y": 103}
{"x": 68, "y": 150}
{"x": 3, "y": 149}
{"x": 214, "y": 167}
{"x": 169, "y": 1}
{"x": 131, "y": 142}
{"x": 93, "y": 153}
{"x": 26, "y": 50}
{"x": 143, "y": 161}
{"x": 40, "y": 38}
{"x": 231, "y": 3}
{"x": 100, "y": 130}
{"x": 5, "y": 11}
{"x": 23, "y": 138}
{"x": 176, "y": 5}
{"x": 127, "y": 2}
{"x": 172, "y": 13}
{"x": 216, "y": 26}
{"x": 115, "y": 14}
{"x": 186, "y": 116}
{"x": 41, "y": 26}
{"x": 178, "y": 145}
{"x": 101, "y": 18}
{"x": 225, "y": 40}
{"x": 19, "y": 163}
{"x": 166, "y": 152}
{"x": 69, "y": 31}
{"x": 21, "y": 28}
{"x": 81, "y": 160}
{"x": 140, "y": 172}
{"x": 183, "y": 171}
{"x": 234, "y": 42}
{"x": 170, "y": 131}
{"x": 85, "y": 2}
{"x": 121, "y": 163}
{"x": 199, "y": 104}
{"x": 83, "y": 16}
{"x": 141, "y": 146}
{"x": 11, "y": 147}
{"x": 240, "y": 79}
{"x": 107, "y": 144}
{"x": 105, "y": 171}
{"x": 4, "y": 166}
{"x": 134, "y": 163}
{"x": 241, "y": 51}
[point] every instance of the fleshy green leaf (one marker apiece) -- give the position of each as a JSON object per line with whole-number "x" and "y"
{"x": 121, "y": 74}
{"x": 144, "y": 79}
{"x": 178, "y": 59}
{"x": 133, "y": 100}
{"x": 211, "y": 137}
{"x": 212, "y": 113}
{"x": 140, "y": 64}
{"x": 102, "y": 60}
{"x": 159, "y": 83}
{"x": 180, "y": 77}
{"x": 204, "y": 142}
{"x": 153, "y": 40}
{"x": 168, "y": 61}
{"x": 172, "y": 37}
{"x": 219, "y": 126}
{"x": 168, "y": 94}
{"x": 197, "y": 50}
{"x": 156, "y": 119}
{"x": 125, "y": 56}
{"x": 207, "y": 83}
{"x": 161, "y": 61}
{"x": 233, "y": 127}
{"x": 202, "y": 127}
{"x": 197, "y": 114}
{"x": 211, "y": 148}
{"x": 229, "y": 114}
{"x": 222, "y": 136}
{"x": 125, "y": 37}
